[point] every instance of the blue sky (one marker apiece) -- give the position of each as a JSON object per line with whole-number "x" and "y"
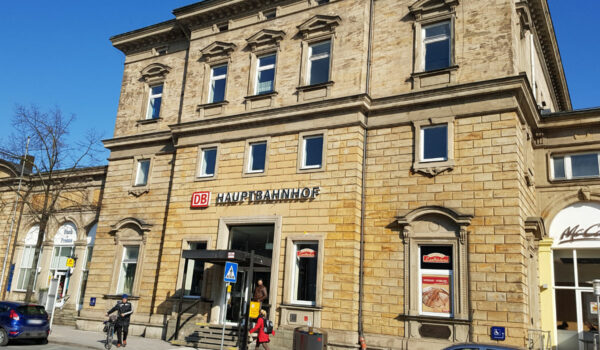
{"x": 57, "y": 53}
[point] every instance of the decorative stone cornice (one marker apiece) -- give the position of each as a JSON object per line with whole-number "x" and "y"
{"x": 535, "y": 226}
{"x": 319, "y": 24}
{"x": 148, "y": 37}
{"x": 265, "y": 39}
{"x": 217, "y": 50}
{"x": 140, "y": 225}
{"x": 424, "y": 7}
{"x": 211, "y": 11}
{"x": 155, "y": 72}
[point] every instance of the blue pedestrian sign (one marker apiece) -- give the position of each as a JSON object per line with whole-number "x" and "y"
{"x": 498, "y": 333}
{"x": 230, "y": 272}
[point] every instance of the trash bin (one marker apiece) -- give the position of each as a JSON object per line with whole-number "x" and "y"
{"x": 309, "y": 338}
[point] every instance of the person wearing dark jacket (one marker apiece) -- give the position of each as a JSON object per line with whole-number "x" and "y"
{"x": 260, "y": 293}
{"x": 124, "y": 310}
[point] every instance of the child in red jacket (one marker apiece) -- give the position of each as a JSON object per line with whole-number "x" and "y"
{"x": 263, "y": 338}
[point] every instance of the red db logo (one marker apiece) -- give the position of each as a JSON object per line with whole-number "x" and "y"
{"x": 200, "y": 199}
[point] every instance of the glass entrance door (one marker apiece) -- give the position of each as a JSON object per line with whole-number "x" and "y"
{"x": 575, "y": 304}
{"x": 236, "y": 303}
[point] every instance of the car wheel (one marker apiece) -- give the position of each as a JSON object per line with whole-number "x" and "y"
{"x": 3, "y": 337}
{"x": 42, "y": 341}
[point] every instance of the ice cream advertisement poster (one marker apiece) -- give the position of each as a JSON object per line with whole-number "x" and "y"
{"x": 435, "y": 293}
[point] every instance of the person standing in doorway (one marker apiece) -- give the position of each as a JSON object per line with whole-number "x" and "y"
{"x": 262, "y": 341}
{"x": 125, "y": 310}
{"x": 260, "y": 292}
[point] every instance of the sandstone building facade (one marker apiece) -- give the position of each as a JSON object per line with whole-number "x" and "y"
{"x": 393, "y": 160}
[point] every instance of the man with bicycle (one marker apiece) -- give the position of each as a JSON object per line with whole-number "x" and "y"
{"x": 125, "y": 310}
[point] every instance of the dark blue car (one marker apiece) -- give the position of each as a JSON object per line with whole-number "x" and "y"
{"x": 472, "y": 346}
{"x": 23, "y": 321}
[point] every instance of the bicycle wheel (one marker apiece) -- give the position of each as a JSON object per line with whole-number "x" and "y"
{"x": 109, "y": 337}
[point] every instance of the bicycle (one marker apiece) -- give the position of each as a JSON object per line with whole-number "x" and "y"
{"x": 109, "y": 328}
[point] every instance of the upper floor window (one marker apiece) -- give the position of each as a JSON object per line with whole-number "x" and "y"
{"x": 265, "y": 74}
{"x": 576, "y": 166}
{"x": 154, "y": 102}
{"x": 257, "y": 157}
{"x": 312, "y": 152}
{"x": 208, "y": 162}
{"x": 318, "y": 62}
{"x": 141, "y": 176}
{"x": 218, "y": 80}
{"x": 434, "y": 143}
{"x": 437, "y": 47}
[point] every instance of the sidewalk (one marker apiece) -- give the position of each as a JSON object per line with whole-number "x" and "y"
{"x": 67, "y": 335}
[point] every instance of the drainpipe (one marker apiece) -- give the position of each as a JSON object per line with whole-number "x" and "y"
{"x": 361, "y": 334}
{"x": 12, "y": 224}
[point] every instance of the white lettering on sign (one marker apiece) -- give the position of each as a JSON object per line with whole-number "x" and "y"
{"x": 306, "y": 253}
{"x": 66, "y": 234}
{"x": 577, "y": 226}
{"x": 285, "y": 194}
{"x": 436, "y": 258}
{"x": 200, "y": 199}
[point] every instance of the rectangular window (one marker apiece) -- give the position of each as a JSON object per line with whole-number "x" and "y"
{"x": 128, "y": 267}
{"x": 270, "y": 14}
{"x": 434, "y": 143}
{"x": 60, "y": 256}
{"x": 223, "y": 27}
{"x": 257, "y": 157}
{"x": 265, "y": 74}
{"x": 318, "y": 63}
{"x": 435, "y": 280}
{"x": 304, "y": 288}
{"x": 312, "y": 155}
{"x": 218, "y": 80}
{"x": 26, "y": 267}
{"x": 154, "y": 102}
{"x": 194, "y": 272}
{"x": 576, "y": 166}
{"x": 208, "y": 162}
{"x": 141, "y": 176}
{"x": 436, "y": 46}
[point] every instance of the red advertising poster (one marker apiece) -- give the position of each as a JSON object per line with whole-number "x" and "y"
{"x": 435, "y": 293}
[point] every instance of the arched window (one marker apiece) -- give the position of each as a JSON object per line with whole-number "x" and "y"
{"x": 64, "y": 248}
{"x": 27, "y": 258}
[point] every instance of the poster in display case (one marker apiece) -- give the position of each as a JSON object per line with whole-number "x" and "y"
{"x": 435, "y": 280}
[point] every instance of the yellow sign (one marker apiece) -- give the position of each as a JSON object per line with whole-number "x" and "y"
{"x": 229, "y": 288}
{"x": 70, "y": 262}
{"x": 254, "y": 309}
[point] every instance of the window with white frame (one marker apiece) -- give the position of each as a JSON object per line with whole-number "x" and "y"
{"x": 318, "y": 63}
{"x": 434, "y": 143}
{"x": 127, "y": 269}
{"x": 194, "y": 272}
{"x": 265, "y": 74}
{"x": 576, "y": 166}
{"x": 312, "y": 152}
{"x": 143, "y": 168}
{"x": 218, "y": 80}
{"x": 437, "y": 46}
{"x": 208, "y": 162}
{"x": 304, "y": 275}
{"x": 26, "y": 267}
{"x": 257, "y": 157}
{"x": 154, "y": 102}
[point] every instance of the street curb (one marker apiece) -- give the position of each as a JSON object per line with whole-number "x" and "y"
{"x": 60, "y": 342}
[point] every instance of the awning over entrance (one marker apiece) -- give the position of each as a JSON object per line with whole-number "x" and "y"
{"x": 220, "y": 257}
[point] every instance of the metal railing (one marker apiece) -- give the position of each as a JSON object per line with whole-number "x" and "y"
{"x": 538, "y": 339}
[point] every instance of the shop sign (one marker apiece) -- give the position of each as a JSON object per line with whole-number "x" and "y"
{"x": 436, "y": 258}
{"x": 202, "y": 199}
{"x": 435, "y": 289}
{"x": 306, "y": 253}
{"x": 576, "y": 226}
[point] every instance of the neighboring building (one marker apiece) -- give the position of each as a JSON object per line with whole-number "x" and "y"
{"x": 388, "y": 159}
{"x": 69, "y": 234}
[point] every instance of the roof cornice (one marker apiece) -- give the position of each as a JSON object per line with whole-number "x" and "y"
{"x": 542, "y": 22}
{"x": 142, "y": 38}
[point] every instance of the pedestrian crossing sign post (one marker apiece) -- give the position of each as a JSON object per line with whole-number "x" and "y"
{"x": 231, "y": 270}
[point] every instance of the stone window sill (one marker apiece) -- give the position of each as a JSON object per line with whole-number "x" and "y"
{"x": 302, "y": 307}
{"x": 212, "y": 104}
{"x": 149, "y": 121}
{"x": 433, "y": 168}
{"x": 138, "y": 190}
{"x": 434, "y": 78}
{"x": 433, "y": 319}
{"x": 314, "y": 86}
{"x": 261, "y": 96}
{"x": 119, "y": 297}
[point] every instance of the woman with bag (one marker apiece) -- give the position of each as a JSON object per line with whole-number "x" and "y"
{"x": 263, "y": 338}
